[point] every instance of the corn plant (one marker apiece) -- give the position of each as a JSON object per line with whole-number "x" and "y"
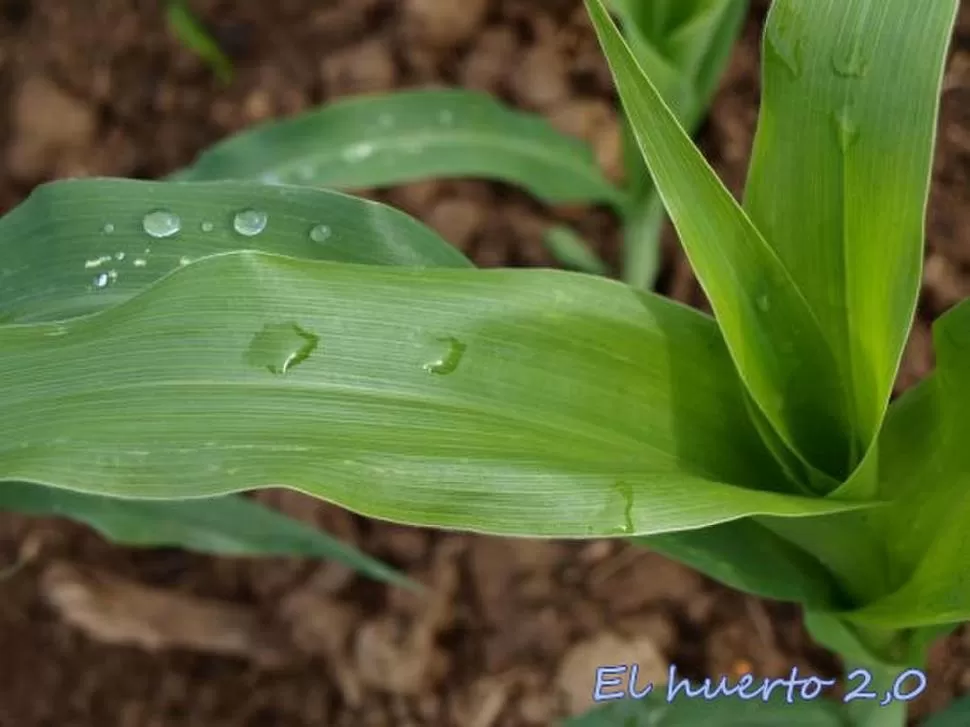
{"x": 186, "y": 340}
{"x": 406, "y": 136}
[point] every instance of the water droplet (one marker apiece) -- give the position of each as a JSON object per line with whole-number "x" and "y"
{"x": 784, "y": 38}
{"x": 447, "y": 363}
{"x": 854, "y": 46}
{"x": 764, "y": 304}
{"x": 161, "y": 223}
{"x": 183, "y": 261}
{"x": 279, "y": 347}
{"x": 101, "y": 280}
{"x": 446, "y": 117}
{"x": 249, "y": 222}
{"x": 119, "y": 256}
{"x": 321, "y": 233}
{"x": 108, "y": 228}
{"x": 140, "y": 262}
{"x": 207, "y": 227}
{"x": 271, "y": 178}
{"x": 625, "y": 490}
{"x": 846, "y": 128}
{"x": 97, "y": 262}
{"x": 358, "y": 152}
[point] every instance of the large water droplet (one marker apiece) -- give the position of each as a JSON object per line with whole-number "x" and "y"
{"x": 108, "y": 228}
{"x": 101, "y": 280}
{"x": 784, "y": 37}
{"x": 851, "y": 64}
{"x": 161, "y": 223}
{"x": 448, "y": 362}
{"x": 279, "y": 347}
{"x": 249, "y": 222}
{"x": 321, "y": 233}
{"x": 625, "y": 491}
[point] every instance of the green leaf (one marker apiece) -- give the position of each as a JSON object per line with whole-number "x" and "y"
{"x": 193, "y": 34}
{"x": 840, "y": 173}
{"x": 95, "y": 252}
{"x": 573, "y": 252}
{"x": 777, "y": 343}
{"x": 371, "y": 141}
{"x": 957, "y": 714}
{"x": 926, "y": 474}
{"x": 231, "y": 525}
{"x": 655, "y": 710}
{"x": 745, "y": 555}
{"x": 507, "y": 401}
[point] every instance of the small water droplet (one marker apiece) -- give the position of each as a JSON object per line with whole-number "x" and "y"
{"x": 445, "y": 117}
{"x": 140, "y": 262}
{"x": 846, "y": 128}
{"x": 101, "y": 280}
{"x": 764, "y": 304}
{"x": 321, "y": 233}
{"x": 183, "y": 261}
{"x": 625, "y": 490}
{"x": 358, "y": 152}
{"x": 97, "y": 262}
{"x": 108, "y": 228}
{"x": 784, "y": 38}
{"x": 207, "y": 227}
{"x": 280, "y": 347}
{"x": 161, "y": 223}
{"x": 249, "y": 222}
{"x": 447, "y": 363}
{"x": 119, "y": 256}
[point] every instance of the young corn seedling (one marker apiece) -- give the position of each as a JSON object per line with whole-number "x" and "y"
{"x": 406, "y": 136}
{"x": 180, "y": 340}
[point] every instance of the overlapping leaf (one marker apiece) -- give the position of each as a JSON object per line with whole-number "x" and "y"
{"x": 840, "y": 173}
{"x": 229, "y": 525}
{"x": 371, "y": 141}
{"x": 926, "y": 472}
{"x": 520, "y": 402}
{"x": 777, "y": 343}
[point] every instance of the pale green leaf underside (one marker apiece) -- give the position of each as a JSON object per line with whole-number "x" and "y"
{"x": 517, "y": 402}
{"x": 840, "y": 172}
{"x": 380, "y": 140}
{"x": 230, "y": 525}
{"x": 775, "y": 340}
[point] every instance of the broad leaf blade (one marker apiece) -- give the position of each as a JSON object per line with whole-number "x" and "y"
{"x": 371, "y": 141}
{"x": 776, "y": 342}
{"x": 840, "y": 172}
{"x": 230, "y": 525}
{"x": 517, "y": 402}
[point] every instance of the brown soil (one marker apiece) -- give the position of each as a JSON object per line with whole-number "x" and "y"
{"x": 512, "y": 631}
